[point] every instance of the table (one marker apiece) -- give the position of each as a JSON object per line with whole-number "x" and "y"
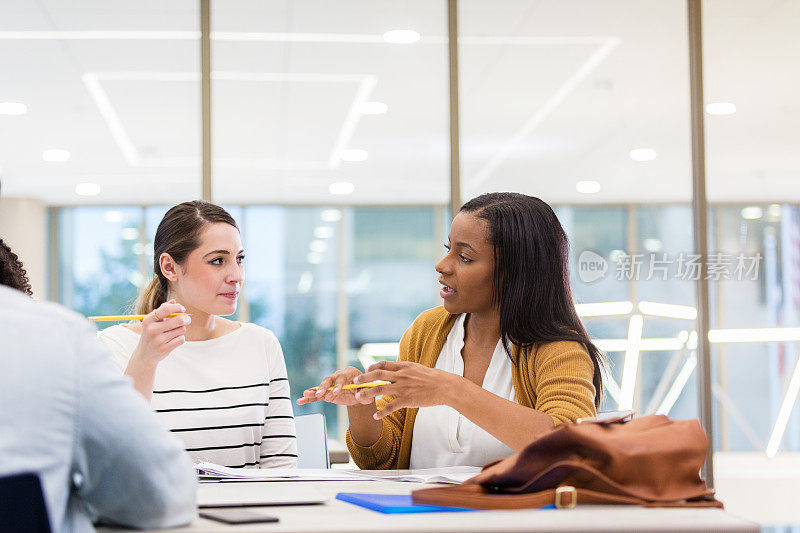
{"x": 338, "y": 516}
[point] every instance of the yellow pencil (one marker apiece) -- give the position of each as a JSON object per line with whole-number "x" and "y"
{"x": 358, "y": 385}
{"x": 124, "y": 318}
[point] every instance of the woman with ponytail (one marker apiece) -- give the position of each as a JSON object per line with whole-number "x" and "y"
{"x": 219, "y": 385}
{"x": 502, "y": 362}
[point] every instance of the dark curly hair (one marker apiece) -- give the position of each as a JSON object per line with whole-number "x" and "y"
{"x": 12, "y": 273}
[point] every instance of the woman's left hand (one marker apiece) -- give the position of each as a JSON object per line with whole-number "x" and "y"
{"x": 410, "y": 385}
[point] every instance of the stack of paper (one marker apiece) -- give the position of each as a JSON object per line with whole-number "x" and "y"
{"x": 449, "y": 474}
{"x": 223, "y": 473}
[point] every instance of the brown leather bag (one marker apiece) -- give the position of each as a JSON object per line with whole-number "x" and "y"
{"x": 651, "y": 461}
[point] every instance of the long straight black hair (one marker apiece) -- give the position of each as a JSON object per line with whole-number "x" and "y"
{"x": 531, "y": 275}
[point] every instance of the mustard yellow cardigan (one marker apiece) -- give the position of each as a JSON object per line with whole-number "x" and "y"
{"x": 553, "y": 377}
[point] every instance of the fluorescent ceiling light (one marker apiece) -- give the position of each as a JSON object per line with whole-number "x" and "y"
{"x": 56, "y": 155}
{"x": 751, "y": 213}
{"x": 686, "y": 312}
{"x": 754, "y": 335}
{"x": 678, "y": 385}
{"x": 652, "y": 245}
{"x": 13, "y": 108}
{"x": 604, "y": 309}
{"x": 353, "y": 155}
{"x": 318, "y": 246}
{"x": 113, "y": 216}
{"x": 323, "y": 232}
{"x": 654, "y": 344}
{"x": 87, "y": 189}
{"x": 642, "y": 154}
{"x": 341, "y": 187}
{"x": 720, "y": 108}
{"x": 774, "y": 211}
{"x": 129, "y": 234}
{"x": 314, "y": 258}
{"x": 373, "y": 108}
{"x": 401, "y": 36}
{"x": 587, "y": 187}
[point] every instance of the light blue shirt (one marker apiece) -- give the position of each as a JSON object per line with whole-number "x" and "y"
{"x": 68, "y": 415}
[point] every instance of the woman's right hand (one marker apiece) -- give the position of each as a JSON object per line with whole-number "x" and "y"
{"x": 160, "y": 337}
{"x": 338, "y": 395}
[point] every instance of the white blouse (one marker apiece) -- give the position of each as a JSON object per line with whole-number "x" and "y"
{"x": 445, "y": 437}
{"x": 226, "y": 398}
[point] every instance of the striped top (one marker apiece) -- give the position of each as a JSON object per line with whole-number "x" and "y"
{"x": 227, "y": 399}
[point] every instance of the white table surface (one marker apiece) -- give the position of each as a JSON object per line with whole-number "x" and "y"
{"x": 338, "y": 516}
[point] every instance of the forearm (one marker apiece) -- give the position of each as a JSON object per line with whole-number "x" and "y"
{"x": 143, "y": 375}
{"x": 364, "y": 429}
{"x": 512, "y": 424}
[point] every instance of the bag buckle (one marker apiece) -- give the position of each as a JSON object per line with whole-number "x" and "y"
{"x": 573, "y": 500}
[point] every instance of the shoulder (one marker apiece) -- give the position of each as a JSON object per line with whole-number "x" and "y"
{"x": 255, "y": 333}
{"x": 567, "y": 354}
{"x": 119, "y": 332}
{"x": 29, "y": 314}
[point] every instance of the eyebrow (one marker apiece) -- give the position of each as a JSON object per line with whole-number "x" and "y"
{"x": 466, "y": 245}
{"x": 226, "y": 252}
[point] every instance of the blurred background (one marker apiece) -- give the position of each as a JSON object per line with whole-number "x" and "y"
{"x": 331, "y": 148}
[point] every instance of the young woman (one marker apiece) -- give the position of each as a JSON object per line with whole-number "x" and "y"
{"x": 505, "y": 360}
{"x": 219, "y": 385}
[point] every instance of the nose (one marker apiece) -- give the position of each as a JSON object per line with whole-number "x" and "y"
{"x": 235, "y": 275}
{"x": 444, "y": 266}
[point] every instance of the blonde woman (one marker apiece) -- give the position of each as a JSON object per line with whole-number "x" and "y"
{"x": 218, "y": 385}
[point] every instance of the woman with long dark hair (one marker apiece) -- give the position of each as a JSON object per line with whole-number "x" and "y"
{"x": 502, "y": 362}
{"x": 218, "y": 384}
{"x": 12, "y": 273}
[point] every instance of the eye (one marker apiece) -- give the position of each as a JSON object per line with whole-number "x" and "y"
{"x": 446, "y": 247}
{"x": 215, "y": 261}
{"x": 465, "y": 259}
{"x": 240, "y": 259}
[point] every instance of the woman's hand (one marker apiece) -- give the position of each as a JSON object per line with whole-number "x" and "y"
{"x": 161, "y": 335}
{"x": 410, "y": 385}
{"x": 338, "y": 395}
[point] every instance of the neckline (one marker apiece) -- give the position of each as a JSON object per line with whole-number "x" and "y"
{"x": 198, "y": 343}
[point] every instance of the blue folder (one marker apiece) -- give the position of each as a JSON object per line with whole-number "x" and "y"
{"x": 393, "y": 503}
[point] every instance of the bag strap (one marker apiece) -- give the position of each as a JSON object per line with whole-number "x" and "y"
{"x": 564, "y": 497}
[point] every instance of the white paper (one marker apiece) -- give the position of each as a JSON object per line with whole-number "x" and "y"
{"x": 449, "y": 474}
{"x": 211, "y": 470}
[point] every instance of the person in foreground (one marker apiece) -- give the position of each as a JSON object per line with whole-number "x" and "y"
{"x": 505, "y": 360}
{"x": 12, "y": 273}
{"x": 69, "y": 417}
{"x": 219, "y": 385}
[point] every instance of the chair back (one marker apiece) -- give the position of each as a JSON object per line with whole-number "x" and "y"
{"x": 22, "y": 506}
{"x": 312, "y": 441}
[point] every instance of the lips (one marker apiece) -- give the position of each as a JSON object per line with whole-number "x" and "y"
{"x": 447, "y": 291}
{"x": 230, "y": 295}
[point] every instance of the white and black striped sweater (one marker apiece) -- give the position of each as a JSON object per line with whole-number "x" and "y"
{"x": 227, "y": 398}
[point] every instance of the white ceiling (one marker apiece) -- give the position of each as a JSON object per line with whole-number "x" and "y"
{"x": 553, "y": 92}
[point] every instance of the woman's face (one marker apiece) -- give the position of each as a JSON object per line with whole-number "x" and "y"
{"x": 467, "y": 269}
{"x": 212, "y": 275}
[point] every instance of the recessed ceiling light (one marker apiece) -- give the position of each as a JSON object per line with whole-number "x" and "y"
{"x": 341, "y": 187}
{"x": 720, "y": 108}
{"x": 353, "y": 155}
{"x": 129, "y": 234}
{"x": 401, "y": 36}
{"x": 13, "y": 108}
{"x": 314, "y": 258}
{"x": 87, "y": 189}
{"x": 323, "y": 232}
{"x": 751, "y": 213}
{"x": 774, "y": 211}
{"x": 113, "y": 216}
{"x": 56, "y": 155}
{"x": 373, "y": 108}
{"x": 331, "y": 215}
{"x": 642, "y": 154}
{"x": 652, "y": 245}
{"x": 587, "y": 187}
{"x": 318, "y": 246}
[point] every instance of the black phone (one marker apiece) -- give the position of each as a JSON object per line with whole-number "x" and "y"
{"x": 236, "y": 516}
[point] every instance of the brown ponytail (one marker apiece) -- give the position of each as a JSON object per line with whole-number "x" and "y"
{"x": 178, "y": 235}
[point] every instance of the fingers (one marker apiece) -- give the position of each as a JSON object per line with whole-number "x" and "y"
{"x": 369, "y": 395}
{"x": 324, "y": 385}
{"x": 386, "y": 365}
{"x": 168, "y": 308}
{"x": 390, "y": 408}
{"x": 309, "y": 396}
{"x": 376, "y": 375}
